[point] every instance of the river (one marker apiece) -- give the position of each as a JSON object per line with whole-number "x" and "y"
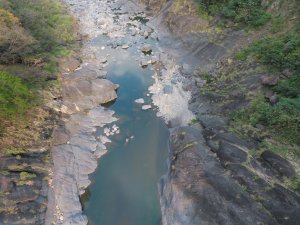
{"x": 117, "y": 152}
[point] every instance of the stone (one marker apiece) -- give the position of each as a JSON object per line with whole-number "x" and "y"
{"x": 133, "y": 33}
{"x": 125, "y": 46}
{"x": 103, "y": 60}
{"x": 154, "y": 59}
{"x": 146, "y": 49}
{"x": 146, "y": 107}
{"x": 274, "y": 99}
{"x": 139, "y": 101}
{"x": 144, "y": 63}
{"x": 280, "y": 164}
{"x": 211, "y": 121}
{"x": 269, "y": 80}
{"x": 146, "y": 34}
{"x": 104, "y": 140}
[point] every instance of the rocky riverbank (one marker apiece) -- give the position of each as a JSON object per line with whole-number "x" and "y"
{"x": 216, "y": 176}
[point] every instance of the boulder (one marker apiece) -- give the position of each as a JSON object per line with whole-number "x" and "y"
{"x": 269, "y": 80}
{"x": 280, "y": 164}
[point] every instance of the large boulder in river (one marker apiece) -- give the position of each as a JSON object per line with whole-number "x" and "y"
{"x": 82, "y": 93}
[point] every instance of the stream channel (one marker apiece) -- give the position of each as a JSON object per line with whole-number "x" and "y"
{"x": 124, "y": 187}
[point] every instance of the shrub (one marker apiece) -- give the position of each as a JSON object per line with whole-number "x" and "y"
{"x": 46, "y": 20}
{"x": 15, "y": 42}
{"x": 33, "y": 31}
{"x": 15, "y": 97}
{"x": 249, "y": 12}
{"x": 14, "y": 151}
{"x": 278, "y": 52}
{"x": 26, "y": 176}
{"x": 282, "y": 119}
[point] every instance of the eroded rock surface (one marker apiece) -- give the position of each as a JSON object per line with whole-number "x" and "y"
{"x": 77, "y": 149}
{"x": 203, "y": 187}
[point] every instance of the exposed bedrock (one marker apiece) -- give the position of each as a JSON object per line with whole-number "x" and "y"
{"x": 76, "y": 147}
{"x": 213, "y": 180}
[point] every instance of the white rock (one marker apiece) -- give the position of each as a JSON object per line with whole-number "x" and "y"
{"x": 139, "y": 101}
{"x": 146, "y": 107}
{"x": 125, "y": 46}
{"x": 106, "y": 130}
{"x": 146, "y": 34}
{"x": 104, "y": 140}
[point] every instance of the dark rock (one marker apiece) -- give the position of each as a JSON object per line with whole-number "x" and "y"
{"x": 211, "y": 121}
{"x": 6, "y": 184}
{"x": 233, "y": 153}
{"x": 197, "y": 190}
{"x": 278, "y": 163}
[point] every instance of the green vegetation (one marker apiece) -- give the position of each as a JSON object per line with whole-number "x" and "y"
{"x": 33, "y": 35}
{"x": 14, "y": 151}
{"x": 15, "y": 97}
{"x": 26, "y": 176}
{"x": 246, "y": 12}
{"x": 282, "y": 119}
{"x": 34, "y": 31}
{"x": 280, "y": 53}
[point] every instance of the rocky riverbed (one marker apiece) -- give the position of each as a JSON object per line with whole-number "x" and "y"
{"x": 212, "y": 177}
{"x": 77, "y": 147}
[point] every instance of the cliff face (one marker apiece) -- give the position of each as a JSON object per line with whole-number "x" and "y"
{"x": 217, "y": 176}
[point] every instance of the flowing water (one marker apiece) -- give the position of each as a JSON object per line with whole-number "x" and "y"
{"x": 124, "y": 188}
